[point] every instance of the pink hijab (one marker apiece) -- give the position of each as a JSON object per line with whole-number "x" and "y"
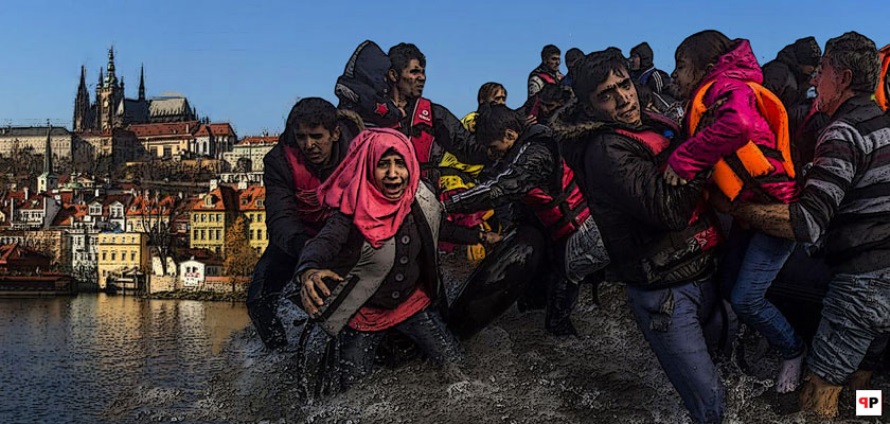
{"x": 352, "y": 189}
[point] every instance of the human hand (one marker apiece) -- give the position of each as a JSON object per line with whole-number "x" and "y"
{"x": 490, "y": 237}
{"x": 312, "y": 286}
{"x": 671, "y": 177}
{"x": 531, "y": 120}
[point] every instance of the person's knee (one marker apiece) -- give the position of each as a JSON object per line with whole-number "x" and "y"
{"x": 746, "y": 304}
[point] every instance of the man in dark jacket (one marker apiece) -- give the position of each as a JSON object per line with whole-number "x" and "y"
{"x": 530, "y": 170}
{"x": 432, "y": 128}
{"x": 547, "y": 72}
{"x": 788, "y": 76}
{"x": 845, "y": 203}
{"x": 658, "y": 237}
{"x": 573, "y": 55}
{"x": 644, "y": 72}
{"x": 314, "y": 141}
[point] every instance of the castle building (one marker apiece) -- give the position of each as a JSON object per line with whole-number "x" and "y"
{"x": 111, "y": 109}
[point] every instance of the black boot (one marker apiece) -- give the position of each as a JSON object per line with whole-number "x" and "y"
{"x": 561, "y": 301}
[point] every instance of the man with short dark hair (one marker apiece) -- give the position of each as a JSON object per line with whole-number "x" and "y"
{"x": 845, "y": 203}
{"x": 573, "y": 55}
{"x": 315, "y": 139}
{"x": 659, "y": 238}
{"x": 547, "y": 72}
{"x": 788, "y": 75}
{"x": 432, "y": 128}
{"x": 528, "y": 171}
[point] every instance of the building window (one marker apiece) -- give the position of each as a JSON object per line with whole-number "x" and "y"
{"x": 251, "y": 235}
{"x": 218, "y": 235}
{"x": 104, "y": 255}
{"x": 203, "y": 235}
{"x": 195, "y": 236}
{"x": 259, "y": 234}
{"x": 113, "y": 256}
{"x": 133, "y": 256}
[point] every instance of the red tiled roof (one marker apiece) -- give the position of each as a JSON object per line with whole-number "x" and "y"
{"x": 202, "y": 131}
{"x": 258, "y": 140}
{"x": 247, "y": 199}
{"x": 36, "y": 202}
{"x": 223, "y": 199}
{"x": 143, "y": 206}
{"x": 221, "y": 128}
{"x": 13, "y": 251}
{"x": 177, "y": 129}
{"x": 71, "y": 214}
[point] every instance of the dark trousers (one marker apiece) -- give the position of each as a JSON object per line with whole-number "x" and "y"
{"x": 273, "y": 271}
{"x": 425, "y": 328}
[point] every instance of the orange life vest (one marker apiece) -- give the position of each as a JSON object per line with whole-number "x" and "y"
{"x": 881, "y": 95}
{"x": 750, "y": 161}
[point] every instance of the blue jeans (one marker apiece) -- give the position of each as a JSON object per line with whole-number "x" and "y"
{"x": 675, "y": 322}
{"x": 426, "y": 328}
{"x": 762, "y": 257}
{"x": 856, "y": 312}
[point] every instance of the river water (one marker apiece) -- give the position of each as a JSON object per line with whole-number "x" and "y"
{"x": 98, "y": 359}
{"x": 86, "y": 359}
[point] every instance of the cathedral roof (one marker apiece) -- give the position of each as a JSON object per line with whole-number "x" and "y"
{"x": 169, "y": 106}
{"x": 32, "y": 131}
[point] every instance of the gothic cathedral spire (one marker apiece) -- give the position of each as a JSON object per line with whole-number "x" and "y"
{"x": 82, "y": 118}
{"x": 142, "y": 83}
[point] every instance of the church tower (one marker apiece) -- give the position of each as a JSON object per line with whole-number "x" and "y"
{"x": 108, "y": 97}
{"x": 48, "y": 180}
{"x": 83, "y": 121}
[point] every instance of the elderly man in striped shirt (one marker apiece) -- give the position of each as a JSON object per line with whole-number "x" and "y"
{"x": 845, "y": 203}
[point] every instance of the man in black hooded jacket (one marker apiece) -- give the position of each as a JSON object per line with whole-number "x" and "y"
{"x": 644, "y": 72}
{"x": 659, "y": 238}
{"x": 788, "y": 76}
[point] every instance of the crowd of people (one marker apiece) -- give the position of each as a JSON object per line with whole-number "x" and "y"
{"x": 693, "y": 189}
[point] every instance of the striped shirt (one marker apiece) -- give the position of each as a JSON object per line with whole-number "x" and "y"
{"x": 846, "y": 197}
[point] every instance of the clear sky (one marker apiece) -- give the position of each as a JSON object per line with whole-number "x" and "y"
{"x": 247, "y": 62}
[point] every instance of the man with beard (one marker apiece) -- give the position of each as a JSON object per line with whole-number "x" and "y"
{"x": 659, "y": 237}
{"x": 432, "y": 128}
{"x": 314, "y": 141}
{"x": 846, "y": 203}
{"x": 547, "y": 72}
{"x": 788, "y": 76}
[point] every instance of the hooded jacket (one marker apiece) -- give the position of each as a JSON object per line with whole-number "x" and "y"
{"x": 620, "y": 177}
{"x": 735, "y": 121}
{"x": 657, "y": 80}
{"x": 286, "y": 230}
{"x": 783, "y": 77}
{"x": 531, "y": 172}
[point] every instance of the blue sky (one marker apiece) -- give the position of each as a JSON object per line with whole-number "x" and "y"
{"x": 247, "y": 62}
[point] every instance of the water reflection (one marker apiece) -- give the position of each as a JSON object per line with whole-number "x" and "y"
{"x": 90, "y": 358}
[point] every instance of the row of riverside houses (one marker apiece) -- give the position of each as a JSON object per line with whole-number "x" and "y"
{"x": 107, "y": 232}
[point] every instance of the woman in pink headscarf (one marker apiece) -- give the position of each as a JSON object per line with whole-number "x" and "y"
{"x": 373, "y": 267}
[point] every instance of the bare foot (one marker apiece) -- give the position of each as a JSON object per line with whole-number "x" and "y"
{"x": 789, "y": 375}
